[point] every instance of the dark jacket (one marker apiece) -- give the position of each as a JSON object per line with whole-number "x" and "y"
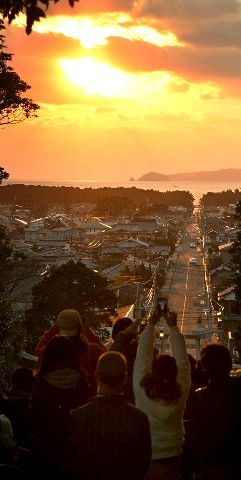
{"x": 18, "y": 413}
{"x": 215, "y": 424}
{"x": 126, "y": 343}
{"x": 52, "y": 399}
{"x": 110, "y": 439}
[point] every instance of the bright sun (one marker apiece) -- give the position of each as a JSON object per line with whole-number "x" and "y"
{"x": 95, "y": 78}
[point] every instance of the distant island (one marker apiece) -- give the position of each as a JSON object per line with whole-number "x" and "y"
{"x": 154, "y": 176}
{"x": 224, "y": 175}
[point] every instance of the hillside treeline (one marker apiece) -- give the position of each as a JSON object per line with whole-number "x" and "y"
{"x": 40, "y": 198}
{"x": 216, "y": 199}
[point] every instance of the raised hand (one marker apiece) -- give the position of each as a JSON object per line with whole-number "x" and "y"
{"x": 155, "y": 317}
{"x": 171, "y": 319}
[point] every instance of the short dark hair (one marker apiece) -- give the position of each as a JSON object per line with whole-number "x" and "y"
{"x": 161, "y": 383}
{"x": 120, "y": 325}
{"x": 111, "y": 368}
{"x": 59, "y": 353}
{"x": 23, "y": 377}
{"x": 216, "y": 360}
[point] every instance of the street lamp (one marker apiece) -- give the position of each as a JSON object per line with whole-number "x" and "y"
{"x": 219, "y": 320}
{"x": 162, "y": 339}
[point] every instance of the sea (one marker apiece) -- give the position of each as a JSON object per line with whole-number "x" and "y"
{"x": 196, "y": 188}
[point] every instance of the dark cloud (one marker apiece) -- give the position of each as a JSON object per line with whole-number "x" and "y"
{"x": 131, "y": 55}
{"x": 193, "y": 64}
{"x": 218, "y": 33}
{"x": 209, "y": 23}
{"x": 207, "y": 63}
{"x": 41, "y": 45}
{"x": 195, "y": 9}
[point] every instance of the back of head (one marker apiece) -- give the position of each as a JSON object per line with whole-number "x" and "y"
{"x": 23, "y": 378}
{"x": 165, "y": 367}
{"x": 216, "y": 361}
{"x": 58, "y": 354}
{"x": 69, "y": 323}
{"x": 162, "y": 383}
{"x": 120, "y": 325}
{"x": 111, "y": 369}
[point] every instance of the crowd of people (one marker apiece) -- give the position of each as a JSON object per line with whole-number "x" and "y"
{"x": 121, "y": 411}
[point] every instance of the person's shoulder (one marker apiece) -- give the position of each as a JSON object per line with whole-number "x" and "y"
{"x": 42, "y": 389}
{"x": 5, "y": 426}
{"x": 82, "y": 410}
{"x": 134, "y": 411}
{"x": 235, "y": 384}
{"x": 4, "y": 419}
{"x": 38, "y": 385}
{"x": 122, "y": 341}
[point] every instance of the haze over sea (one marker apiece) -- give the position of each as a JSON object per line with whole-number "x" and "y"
{"x": 196, "y": 188}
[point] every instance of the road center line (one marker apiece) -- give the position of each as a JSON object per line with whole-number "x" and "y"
{"x": 185, "y": 298}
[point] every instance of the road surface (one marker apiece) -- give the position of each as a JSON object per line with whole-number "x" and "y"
{"x": 186, "y": 291}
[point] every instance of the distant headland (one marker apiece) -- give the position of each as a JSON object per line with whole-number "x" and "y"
{"x": 224, "y": 175}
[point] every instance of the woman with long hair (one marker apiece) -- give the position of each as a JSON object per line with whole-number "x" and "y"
{"x": 161, "y": 387}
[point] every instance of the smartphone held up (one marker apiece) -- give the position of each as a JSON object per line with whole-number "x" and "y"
{"x": 162, "y": 306}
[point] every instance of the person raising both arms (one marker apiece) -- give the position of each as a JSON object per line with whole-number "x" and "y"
{"x": 161, "y": 387}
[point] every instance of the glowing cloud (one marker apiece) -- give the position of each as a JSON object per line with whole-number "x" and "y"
{"x": 92, "y": 31}
{"x": 96, "y": 78}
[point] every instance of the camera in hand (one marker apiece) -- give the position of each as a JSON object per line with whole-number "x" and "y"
{"x": 162, "y": 306}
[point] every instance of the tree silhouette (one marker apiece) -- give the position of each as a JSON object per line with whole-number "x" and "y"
{"x": 41, "y": 197}
{"x": 5, "y": 247}
{"x": 3, "y": 174}
{"x": 14, "y": 107}
{"x": 9, "y": 323}
{"x": 10, "y": 9}
{"x": 71, "y": 285}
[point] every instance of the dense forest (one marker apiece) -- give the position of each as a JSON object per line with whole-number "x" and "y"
{"x": 106, "y": 200}
{"x": 216, "y": 199}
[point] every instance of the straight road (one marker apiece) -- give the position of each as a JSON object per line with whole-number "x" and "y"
{"x": 185, "y": 288}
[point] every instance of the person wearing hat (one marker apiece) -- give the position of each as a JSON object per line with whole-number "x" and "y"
{"x": 69, "y": 324}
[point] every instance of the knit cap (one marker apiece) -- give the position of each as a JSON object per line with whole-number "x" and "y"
{"x": 69, "y": 323}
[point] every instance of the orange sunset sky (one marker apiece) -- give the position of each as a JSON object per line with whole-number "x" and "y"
{"x": 128, "y": 87}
